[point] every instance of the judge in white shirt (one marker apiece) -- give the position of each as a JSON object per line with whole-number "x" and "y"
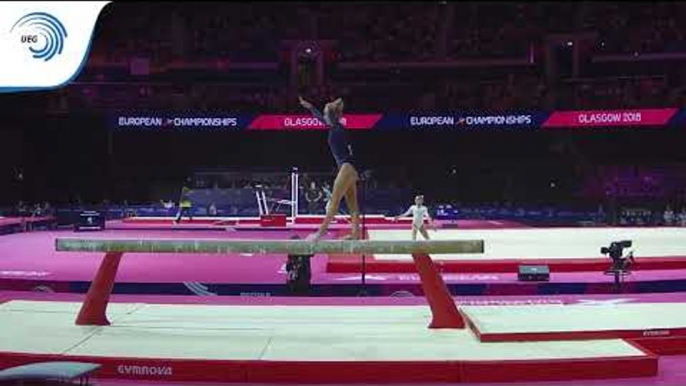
{"x": 419, "y": 213}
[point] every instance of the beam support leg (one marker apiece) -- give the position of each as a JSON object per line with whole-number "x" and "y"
{"x": 94, "y": 309}
{"x": 443, "y": 309}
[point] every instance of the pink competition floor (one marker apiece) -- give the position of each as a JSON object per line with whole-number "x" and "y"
{"x": 29, "y": 261}
{"x": 302, "y": 224}
{"x": 18, "y": 220}
{"x": 32, "y": 256}
{"x": 35, "y": 253}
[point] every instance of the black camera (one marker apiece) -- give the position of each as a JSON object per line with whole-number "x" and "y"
{"x": 616, "y": 249}
{"x": 621, "y": 265}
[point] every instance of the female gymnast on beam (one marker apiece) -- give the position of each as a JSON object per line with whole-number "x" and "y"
{"x": 345, "y": 184}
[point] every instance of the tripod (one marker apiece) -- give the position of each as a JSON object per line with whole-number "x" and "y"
{"x": 363, "y": 216}
{"x": 620, "y": 269}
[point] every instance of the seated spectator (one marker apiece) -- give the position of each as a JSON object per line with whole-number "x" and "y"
{"x": 682, "y": 217}
{"x": 313, "y": 197}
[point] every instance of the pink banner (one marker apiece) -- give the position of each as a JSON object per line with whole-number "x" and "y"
{"x": 610, "y": 118}
{"x": 308, "y": 122}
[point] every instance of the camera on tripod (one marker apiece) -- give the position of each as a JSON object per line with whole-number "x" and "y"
{"x": 620, "y": 263}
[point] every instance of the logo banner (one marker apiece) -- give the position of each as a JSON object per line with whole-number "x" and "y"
{"x": 308, "y": 122}
{"x": 610, "y": 118}
{"x": 428, "y": 122}
{"x": 462, "y": 121}
{"x": 179, "y": 121}
{"x": 44, "y": 44}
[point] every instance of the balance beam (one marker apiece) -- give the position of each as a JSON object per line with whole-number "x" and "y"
{"x": 443, "y": 308}
{"x": 289, "y": 247}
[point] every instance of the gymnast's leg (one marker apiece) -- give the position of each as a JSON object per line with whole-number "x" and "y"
{"x": 424, "y": 232}
{"x": 347, "y": 176}
{"x": 354, "y": 209}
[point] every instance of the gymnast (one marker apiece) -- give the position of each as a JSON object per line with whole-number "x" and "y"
{"x": 345, "y": 184}
{"x": 185, "y": 205}
{"x": 419, "y": 213}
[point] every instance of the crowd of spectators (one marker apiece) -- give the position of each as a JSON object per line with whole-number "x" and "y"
{"x": 200, "y": 31}
{"x": 382, "y": 31}
{"x": 637, "y": 27}
{"x": 378, "y": 32}
{"x": 618, "y": 92}
{"x": 523, "y": 92}
{"x": 512, "y": 92}
{"x": 491, "y": 31}
{"x": 666, "y": 182}
{"x": 24, "y": 209}
{"x": 198, "y": 97}
{"x": 508, "y": 30}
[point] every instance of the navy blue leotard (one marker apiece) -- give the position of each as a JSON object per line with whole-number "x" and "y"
{"x": 339, "y": 142}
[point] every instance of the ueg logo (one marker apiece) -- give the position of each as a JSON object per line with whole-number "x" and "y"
{"x": 44, "y": 44}
{"x": 42, "y": 33}
{"x": 144, "y": 370}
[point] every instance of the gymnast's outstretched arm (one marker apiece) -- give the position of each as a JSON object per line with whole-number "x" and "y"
{"x": 407, "y": 213}
{"x": 317, "y": 114}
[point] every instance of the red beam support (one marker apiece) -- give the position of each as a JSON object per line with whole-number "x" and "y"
{"x": 94, "y": 309}
{"x": 443, "y": 309}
